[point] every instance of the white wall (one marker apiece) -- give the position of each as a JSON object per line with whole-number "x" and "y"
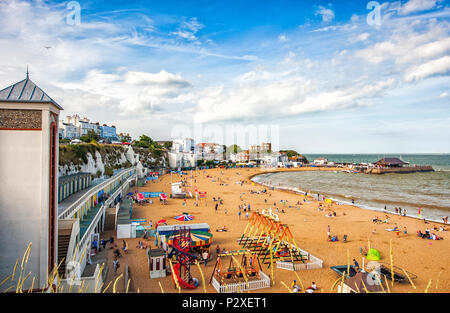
{"x": 20, "y": 199}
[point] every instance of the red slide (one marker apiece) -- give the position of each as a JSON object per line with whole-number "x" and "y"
{"x": 182, "y": 283}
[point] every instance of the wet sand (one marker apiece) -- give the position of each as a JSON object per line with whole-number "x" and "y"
{"x": 428, "y": 259}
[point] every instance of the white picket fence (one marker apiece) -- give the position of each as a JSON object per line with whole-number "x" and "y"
{"x": 315, "y": 263}
{"x": 262, "y": 282}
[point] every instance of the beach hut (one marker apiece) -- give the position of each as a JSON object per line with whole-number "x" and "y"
{"x": 156, "y": 262}
{"x": 361, "y": 283}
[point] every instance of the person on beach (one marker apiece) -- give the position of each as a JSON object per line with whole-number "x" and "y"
{"x": 328, "y": 231}
{"x": 239, "y": 214}
{"x": 116, "y": 265}
{"x": 217, "y": 205}
{"x": 205, "y": 257}
{"x": 356, "y": 265}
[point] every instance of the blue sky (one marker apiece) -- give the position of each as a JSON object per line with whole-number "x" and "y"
{"x": 327, "y": 77}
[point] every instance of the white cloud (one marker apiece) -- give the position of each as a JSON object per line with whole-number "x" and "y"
{"x": 362, "y": 37}
{"x": 406, "y": 46}
{"x": 188, "y": 29}
{"x": 417, "y": 6}
{"x": 434, "y": 67}
{"x": 282, "y": 38}
{"x": 327, "y": 14}
{"x": 443, "y": 95}
{"x": 162, "y": 78}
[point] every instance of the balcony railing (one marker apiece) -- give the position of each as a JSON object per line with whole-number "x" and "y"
{"x": 70, "y": 210}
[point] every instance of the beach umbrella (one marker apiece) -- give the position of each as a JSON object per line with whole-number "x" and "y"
{"x": 129, "y": 194}
{"x": 184, "y": 217}
{"x": 161, "y": 221}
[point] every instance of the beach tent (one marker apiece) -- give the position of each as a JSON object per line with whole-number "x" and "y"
{"x": 373, "y": 255}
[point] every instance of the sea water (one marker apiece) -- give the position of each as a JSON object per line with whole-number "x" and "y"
{"x": 428, "y": 190}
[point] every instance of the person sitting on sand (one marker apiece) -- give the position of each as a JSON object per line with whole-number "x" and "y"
{"x": 223, "y": 229}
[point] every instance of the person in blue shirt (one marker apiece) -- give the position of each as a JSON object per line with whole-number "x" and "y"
{"x": 356, "y": 264}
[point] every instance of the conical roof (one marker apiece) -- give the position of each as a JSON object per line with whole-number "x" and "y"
{"x": 26, "y": 91}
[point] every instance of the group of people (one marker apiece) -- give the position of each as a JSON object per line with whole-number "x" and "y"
{"x": 377, "y": 220}
{"x": 296, "y": 288}
{"x": 334, "y": 237}
{"x": 428, "y": 235}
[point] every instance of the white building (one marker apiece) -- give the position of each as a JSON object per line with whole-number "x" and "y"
{"x": 29, "y": 177}
{"x": 68, "y": 131}
{"x": 240, "y": 157}
{"x": 210, "y": 151}
{"x": 83, "y": 125}
{"x": 320, "y": 161}
{"x": 183, "y": 145}
{"x": 275, "y": 159}
{"x": 182, "y": 159}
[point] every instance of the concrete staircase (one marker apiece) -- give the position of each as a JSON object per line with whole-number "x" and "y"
{"x": 63, "y": 244}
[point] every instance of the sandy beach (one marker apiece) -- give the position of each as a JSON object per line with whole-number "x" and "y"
{"x": 428, "y": 259}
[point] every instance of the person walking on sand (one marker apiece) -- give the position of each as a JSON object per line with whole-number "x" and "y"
{"x": 205, "y": 257}
{"x": 328, "y": 231}
{"x": 239, "y": 214}
{"x": 217, "y": 205}
{"x": 116, "y": 265}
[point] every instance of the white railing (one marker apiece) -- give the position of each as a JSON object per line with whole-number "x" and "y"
{"x": 262, "y": 282}
{"x": 92, "y": 283}
{"x": 70, "y": 210}
{"x": 85, "y": 240}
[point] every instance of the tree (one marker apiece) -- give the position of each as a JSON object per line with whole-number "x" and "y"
{"x": 290, "y": 153}
{"x": 90, "y": 135}
{"x": 234, "y": 149}
{"x": 144, "y": 142}
{"x": 168, "y": 145}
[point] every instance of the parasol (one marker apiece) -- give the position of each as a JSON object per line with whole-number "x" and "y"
{"x": 184, "y": 217}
